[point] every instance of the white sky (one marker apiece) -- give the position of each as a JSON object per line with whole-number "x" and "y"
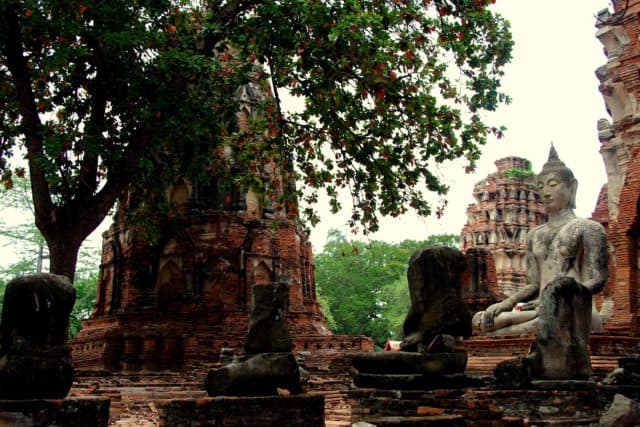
{"x": 555, "y": 97}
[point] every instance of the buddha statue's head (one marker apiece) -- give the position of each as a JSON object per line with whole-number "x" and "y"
{"x": 557, "y": 184}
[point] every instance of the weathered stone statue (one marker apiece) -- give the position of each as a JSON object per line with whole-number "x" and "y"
{"x": 35, "y": 360}
{"x": 428, "y": 355}
{"x": 268, "y": 331}
{"x": 566, "y": 263}
{"x": 564, "y": 246}
{"x": 436, "y": 298}
{"x": 268, "y": 363}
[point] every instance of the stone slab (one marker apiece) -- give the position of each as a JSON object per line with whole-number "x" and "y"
{"x": 69, "y": 412}
{"x": 405, "y": 362}
{"x": 563, "y": 384}
{"x": 231, "y": 411}
{"x": 430, "y": 421}
{"x": 255, "y": 375}
{"x": 414, "y": 381}
{"x": 481, "y": 406}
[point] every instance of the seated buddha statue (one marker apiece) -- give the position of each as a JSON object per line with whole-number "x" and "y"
{"x": 563, "y": 246}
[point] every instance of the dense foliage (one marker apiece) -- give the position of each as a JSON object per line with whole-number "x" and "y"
{"x": 362, "y": 286}
{"x": 520, "y": 173}
{"x": 103, "y": 94}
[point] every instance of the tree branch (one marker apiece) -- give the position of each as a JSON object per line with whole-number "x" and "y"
{"x": 31, "y": 124}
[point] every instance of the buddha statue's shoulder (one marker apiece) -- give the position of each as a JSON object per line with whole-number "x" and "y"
{"x": 535, "y": 230}
{"x": 584, "y": 227}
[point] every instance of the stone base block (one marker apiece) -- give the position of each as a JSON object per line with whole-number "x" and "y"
{"x": 430, "y": 421}
{"x": 563, "y": 384}
{"x": 405, "y": 362}
{"x": 514, "y": 373}
{"x": 264, "y": 411}
{"x": 414, "y": 381}
{"x": 480, "y": 406}
{"x": 69, "y": 412}
{"x": 255, "y": 375}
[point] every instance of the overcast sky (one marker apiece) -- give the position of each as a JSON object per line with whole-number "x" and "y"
{"x": 555, "y": 98}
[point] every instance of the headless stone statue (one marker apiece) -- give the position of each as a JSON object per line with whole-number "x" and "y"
{"x": 35, "y": 360}
{"x": 428, "y": 356}
{"x": 268, "y": 363}
{"x": 565, "y": 246}
{"x": 436, "y": 301}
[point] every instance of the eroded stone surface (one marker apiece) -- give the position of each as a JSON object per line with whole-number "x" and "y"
{"x": 436, "y": 299}
{"x": 268, "y": 330}
{"x": 403, "y": 362}
{"x": 623, "y": 412}
{"x": 561, "y": 347}
{"x": 35, "y": 361}
{"x": 255, "y": 375}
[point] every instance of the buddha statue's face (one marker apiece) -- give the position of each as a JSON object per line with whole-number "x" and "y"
{"x": 557, "y": 193}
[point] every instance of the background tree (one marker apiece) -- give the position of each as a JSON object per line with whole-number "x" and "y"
{"x": 103, "y": 94}
{"x": 364, "y": 286}
{"x": 28, "y": 253}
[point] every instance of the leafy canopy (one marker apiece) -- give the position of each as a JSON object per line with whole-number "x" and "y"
{"x": 389, "y": 88}
{"x": 104, "y": 94}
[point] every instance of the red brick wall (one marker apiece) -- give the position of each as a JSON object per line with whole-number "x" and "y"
{"x": 151, "y": 316}
{"x": 617, "y": 210}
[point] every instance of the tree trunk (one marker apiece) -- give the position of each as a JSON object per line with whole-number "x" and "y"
{"x": 63, "y": 253}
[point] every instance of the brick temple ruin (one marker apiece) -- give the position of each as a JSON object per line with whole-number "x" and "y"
{"x": 184, "y": 298}
{"x": 619, "y": 202}
{"x": 507, "y": 205}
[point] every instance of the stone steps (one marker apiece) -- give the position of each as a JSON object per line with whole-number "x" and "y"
{"x": 567, "y": 422}
{"x": 429, "y": 421}
{"x": 484, "y": 365}
{"x": 132, "y": 404}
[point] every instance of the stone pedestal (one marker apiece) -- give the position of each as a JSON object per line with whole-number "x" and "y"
{"x": 402, "y": 370}
{"x": 70, "y": 412}
{"x": 473, "y": 407}
{"x": 268, "y": 411}
{"x": 255, "y": 375}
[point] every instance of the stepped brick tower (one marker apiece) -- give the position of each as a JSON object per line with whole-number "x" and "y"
{"x": 507, "y": 204}
{"x": 618, "y": 207}
{"x": 185, "y": 297}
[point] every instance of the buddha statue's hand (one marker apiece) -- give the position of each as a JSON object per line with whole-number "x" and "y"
{"x": 494, "y": 310}
{"x": 527, "y": 306}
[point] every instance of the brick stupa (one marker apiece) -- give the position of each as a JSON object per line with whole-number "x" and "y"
{"x": 507, "y": 205}
{"x": 185, "y": 298}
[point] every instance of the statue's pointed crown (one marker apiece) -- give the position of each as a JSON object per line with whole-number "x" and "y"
{"x": 553, "y": 164}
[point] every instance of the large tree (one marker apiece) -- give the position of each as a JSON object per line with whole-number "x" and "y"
{"x": 99, "y": 94}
